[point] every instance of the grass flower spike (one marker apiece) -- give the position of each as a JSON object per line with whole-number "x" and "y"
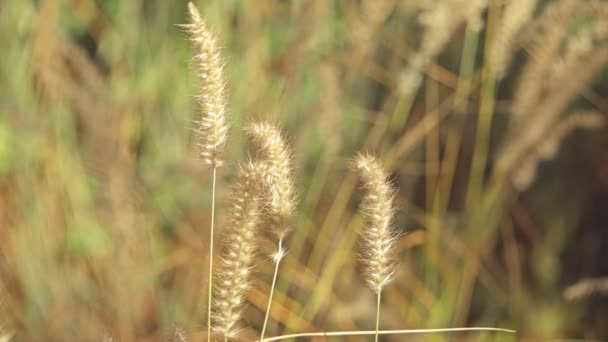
{"x": 378, "y": 236}
{"x": 272, "y": 151}
{"x": 213, "y": 128}
{"x": 239, "y": 248}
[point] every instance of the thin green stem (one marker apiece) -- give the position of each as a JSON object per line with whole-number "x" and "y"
{"x": 277, "y": 259}
{"x": 402, "y": 109}
{"x": 467, "y": 65}
{"x": 485, "y": 118}
{"x": 378, "y": 315}
{"x": 211, "y": 255}
{"x": 383, "y": 332}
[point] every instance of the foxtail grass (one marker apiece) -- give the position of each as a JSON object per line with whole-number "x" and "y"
{"x": 274, "y": 154}
{"x": 239, "y": 246}
{"x": 264, "y": 195}
{"x": 516, "y": 14}
{"x": 212, "y": 126}
{"x": 379, "y": 236}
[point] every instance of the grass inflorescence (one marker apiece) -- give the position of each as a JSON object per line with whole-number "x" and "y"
{"x": 479, "y": 204}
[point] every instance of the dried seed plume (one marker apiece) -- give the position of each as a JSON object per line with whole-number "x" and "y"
{"x": 273, "y": 152}
{"x": 547, "y": 149}
{"x": 439, "y": 20}
{"x": 552, "y": 26}
{"x": 379, "y": 236}
{"x": 212, "y": 126}
{"x": 239, "y": 248}
{"x": 517, "y": 13}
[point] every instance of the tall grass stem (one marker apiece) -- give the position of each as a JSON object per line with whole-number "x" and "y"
{"x": 278, "y": 258}
{"x": 210, "y": 290}
{"x": 378, "y": 315}
{"x": 485, "y": 117}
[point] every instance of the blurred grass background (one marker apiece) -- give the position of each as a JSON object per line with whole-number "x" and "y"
{"x": 104, "y": 206}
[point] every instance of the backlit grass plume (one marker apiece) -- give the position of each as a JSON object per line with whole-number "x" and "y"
{"x": 213, "y": 128}
{"x": 516, "y": 14}
{"x": 378, "y": 236}
{"x": 274, "y": 154}
{"x": 238, "y": 248}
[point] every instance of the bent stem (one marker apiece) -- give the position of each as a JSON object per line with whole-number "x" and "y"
{"x": 384, "y": 332}
{"x": 277, "y": 258}
{"x": 378, "y": 315}
{"x": 211, "y": 255}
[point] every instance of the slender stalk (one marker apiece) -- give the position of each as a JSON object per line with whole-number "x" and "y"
{"x": 211, "y": 255}
{"x": 485, "y": 117}
{"x": 378, "y": 315}
{"x": 212, "y": 127}
{"x": 402, "y": 109}
{"x": 277, "y": 259}
{"x": 467, "y": 66}
{"x": 383, "y": 332}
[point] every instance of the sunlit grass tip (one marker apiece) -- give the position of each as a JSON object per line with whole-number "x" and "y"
{"x": 378, "y": 236}
{"x": 239, "y": 247}
{"x": 212, "y": 125}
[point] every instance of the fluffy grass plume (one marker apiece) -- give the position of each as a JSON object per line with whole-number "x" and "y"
{"x": 378, "y": 237}
{"x": 239, "y": 248}
{"x": 273, "y": 152}
{"x": 553, "y": 26}
{"x": 516, "y": 14}
{"x": 213, "y": 128}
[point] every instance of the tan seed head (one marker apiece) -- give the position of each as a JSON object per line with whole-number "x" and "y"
{"x": 378, "y": 236}
{"x": 272, "y": 150}
{"x": 212, "y": 126}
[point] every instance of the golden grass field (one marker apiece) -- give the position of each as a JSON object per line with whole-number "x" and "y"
{"x": 489, "y": 116}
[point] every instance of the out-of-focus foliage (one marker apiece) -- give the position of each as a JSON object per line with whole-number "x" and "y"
{"x": 490, "y": 115}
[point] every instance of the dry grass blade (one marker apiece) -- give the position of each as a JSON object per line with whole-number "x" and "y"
{"x": 385, "y": 332}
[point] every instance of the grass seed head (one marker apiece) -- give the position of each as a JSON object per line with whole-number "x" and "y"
{"x": 239, "y": 248}
{"x": 378, "y": 236}
{"x": 212, "y": 126}
{"x": 272, "y": 150}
